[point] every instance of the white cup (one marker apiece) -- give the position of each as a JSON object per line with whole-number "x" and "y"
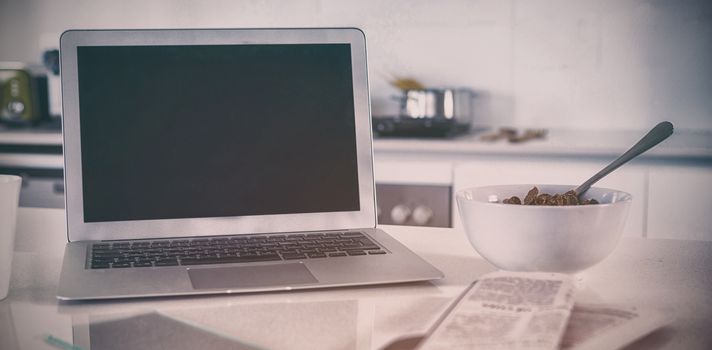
{"x": 9, "y": 198}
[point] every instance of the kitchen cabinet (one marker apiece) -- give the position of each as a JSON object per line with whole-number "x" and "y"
{"x": 36, "y": 155}
{"x": 400, "y": 170}
{"x": 670, "y": 199}
{"x": 680, "y": 202}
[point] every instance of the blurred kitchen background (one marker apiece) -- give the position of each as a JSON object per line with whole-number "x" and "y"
{"x": 587, "y": 78}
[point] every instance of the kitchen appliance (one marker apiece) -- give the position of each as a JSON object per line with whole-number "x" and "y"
{"x": 23, "y": 94}
{"x": 439, "y": 112}
{"x": 414, "y": 204}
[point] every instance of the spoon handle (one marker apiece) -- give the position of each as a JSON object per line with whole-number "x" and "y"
{"x": 659, "y": 133}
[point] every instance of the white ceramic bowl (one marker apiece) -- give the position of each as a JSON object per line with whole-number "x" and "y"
{"x": 565, "y": 239}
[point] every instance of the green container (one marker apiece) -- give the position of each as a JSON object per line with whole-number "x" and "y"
{"x": 23, "y": 95}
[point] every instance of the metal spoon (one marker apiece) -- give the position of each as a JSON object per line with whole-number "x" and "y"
{"x": 656, "y": 135}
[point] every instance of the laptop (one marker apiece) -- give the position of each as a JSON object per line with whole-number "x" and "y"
{"x": 220, "y": 161}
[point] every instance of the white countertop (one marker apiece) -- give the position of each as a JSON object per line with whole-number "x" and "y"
{"x": 674, "y": 276}
{"x": 695, "y": 145}
{"x": 687, "y": 144}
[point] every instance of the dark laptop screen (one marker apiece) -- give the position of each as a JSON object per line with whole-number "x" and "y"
{"x": 217, "y": 130}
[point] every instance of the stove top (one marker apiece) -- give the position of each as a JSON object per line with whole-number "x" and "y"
{"x": 394, "y": 126}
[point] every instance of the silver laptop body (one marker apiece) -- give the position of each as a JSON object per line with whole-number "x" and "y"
{"x": 237, "y": 142}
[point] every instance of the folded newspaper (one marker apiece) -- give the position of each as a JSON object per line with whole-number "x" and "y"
{"x": 515, "y": 310}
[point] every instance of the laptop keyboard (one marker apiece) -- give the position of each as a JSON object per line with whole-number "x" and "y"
{"x": 229, "y": 249}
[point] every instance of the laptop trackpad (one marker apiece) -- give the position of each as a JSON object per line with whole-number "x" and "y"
{"x": 250, "y": 276}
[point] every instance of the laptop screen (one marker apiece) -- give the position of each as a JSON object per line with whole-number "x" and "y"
{"x": 172, "y": 132}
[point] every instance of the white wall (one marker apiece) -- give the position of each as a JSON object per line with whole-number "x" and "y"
{"x": 599, "y": 64}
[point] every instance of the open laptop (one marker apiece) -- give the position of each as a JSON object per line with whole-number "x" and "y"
{"x": 220, "y": 161}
